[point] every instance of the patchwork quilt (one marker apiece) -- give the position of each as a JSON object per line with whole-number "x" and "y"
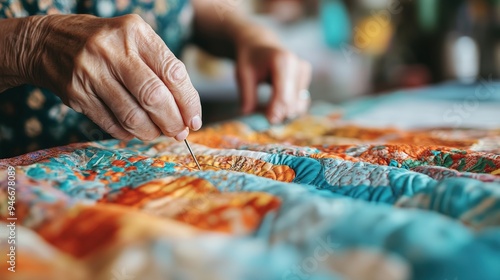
{"x": 316, "y": 198}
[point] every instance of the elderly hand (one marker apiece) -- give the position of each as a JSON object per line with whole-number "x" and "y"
{"x": 116, "y": 71}
{"x": 260, "y": 58}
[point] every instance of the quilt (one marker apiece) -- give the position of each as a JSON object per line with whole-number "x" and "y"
{"x": 315, "y": 198}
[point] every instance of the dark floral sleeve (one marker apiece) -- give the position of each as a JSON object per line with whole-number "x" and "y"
{"x": 23, "y": 8}
{"x": 11, "y": 9}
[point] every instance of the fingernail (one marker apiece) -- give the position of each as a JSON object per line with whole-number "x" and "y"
{"x": 181, "y": 136}
{"x": 196, "y": 123}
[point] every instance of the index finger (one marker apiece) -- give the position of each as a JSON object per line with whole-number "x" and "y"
{"x": 284, "y": 87}
{"x": 153, "y": 96}
{"x": 173, "y": 73}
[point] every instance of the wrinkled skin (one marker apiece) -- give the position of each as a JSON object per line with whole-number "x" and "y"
{"x": 120, "y": 73}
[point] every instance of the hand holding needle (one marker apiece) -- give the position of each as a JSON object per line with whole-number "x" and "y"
{"x": 192, "y": 154}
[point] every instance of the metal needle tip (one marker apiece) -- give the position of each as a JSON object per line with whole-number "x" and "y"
{"x": 192, "y": 154}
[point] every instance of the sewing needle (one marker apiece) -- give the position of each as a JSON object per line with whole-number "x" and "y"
{"x": 192, "y": 154}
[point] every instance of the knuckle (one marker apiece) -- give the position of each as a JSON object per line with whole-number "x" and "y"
{"x": 111, "y": 127}
{"x": 132, "y": 119}
{"x": 172, "y": 130}
{"x": 132, "y": 21}
{"x": 95, "y": 38}
{"x": 176, "y": 70}
{"x": 284, "y": 57}
{"x": 152, "y": 93}
{"x": 130, "y": 25}
{"x": 97, "y": 42}
{"x": 81, "y": 59}
{"x": 151, "y": 37}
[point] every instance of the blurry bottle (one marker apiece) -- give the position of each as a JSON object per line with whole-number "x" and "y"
{"x": 461, "y": 49}
{"x": 374, "y": 29}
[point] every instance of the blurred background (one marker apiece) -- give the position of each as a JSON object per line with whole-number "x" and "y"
{"x": 366, "y": 47}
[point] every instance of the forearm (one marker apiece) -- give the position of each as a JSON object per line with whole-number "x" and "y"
{"x": 220, "y": 27}
{"x": 18, "y": 48}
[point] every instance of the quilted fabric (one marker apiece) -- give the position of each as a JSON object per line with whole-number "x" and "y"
{"x": 317, "y": 198}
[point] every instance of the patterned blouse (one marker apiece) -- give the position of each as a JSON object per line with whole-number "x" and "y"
{"x": 33, "y": 118}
